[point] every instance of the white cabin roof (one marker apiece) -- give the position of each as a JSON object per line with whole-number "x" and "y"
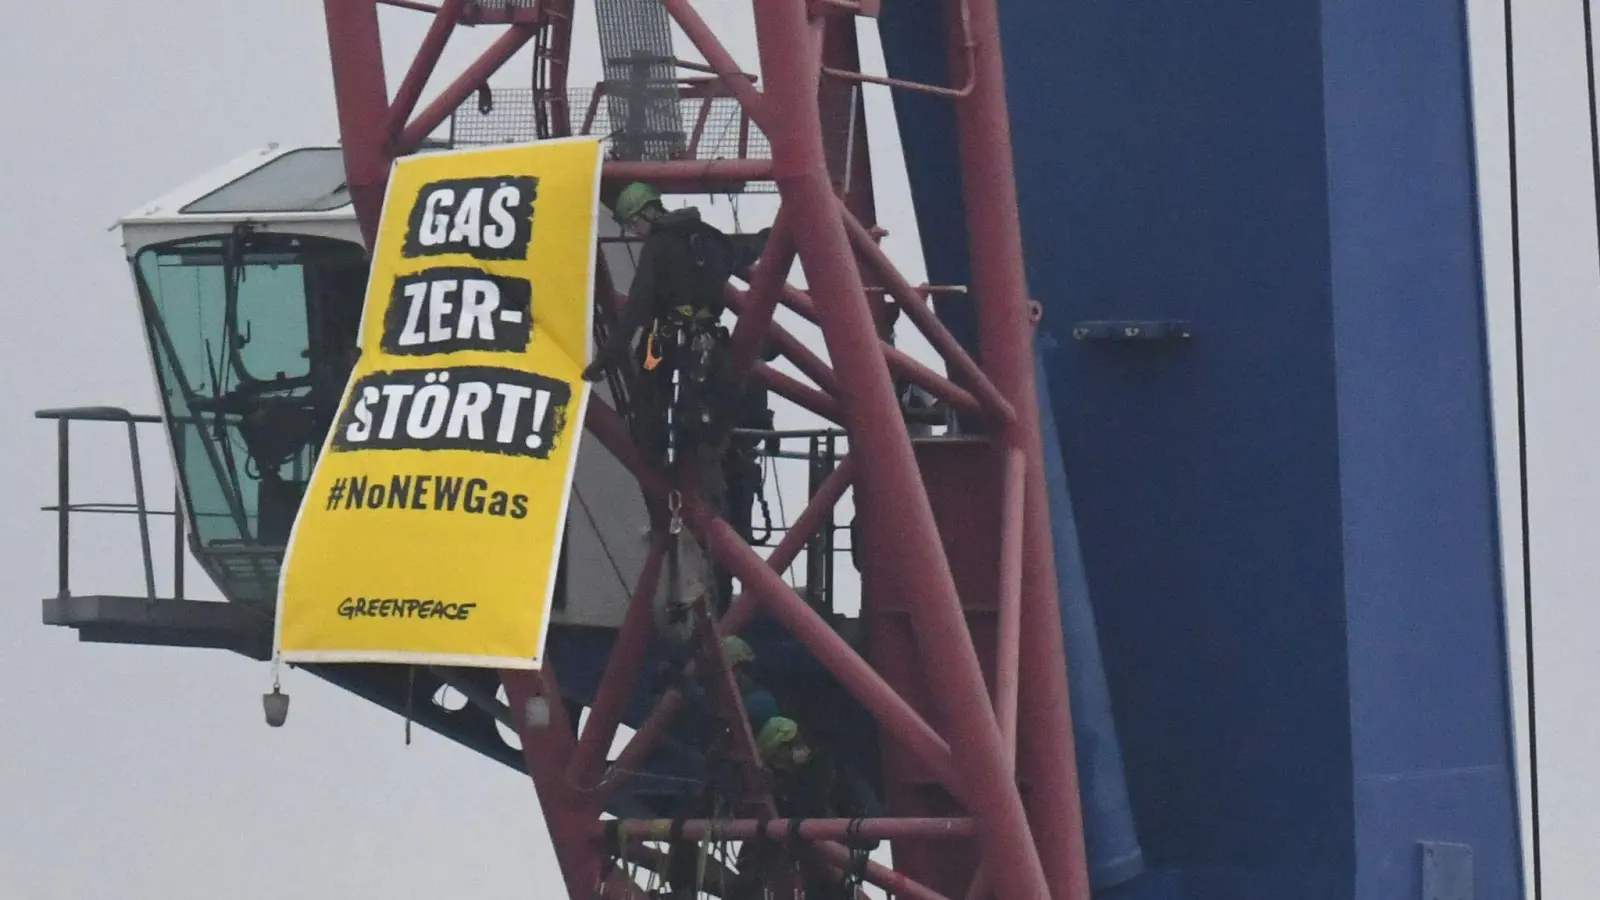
{"x": 296, "y": 188}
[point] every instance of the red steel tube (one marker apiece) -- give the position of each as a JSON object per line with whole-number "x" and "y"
{"x": 841, "y": 50}
{"x": 688, "y": 175}
{"x": 427, "y": 58}
{"x": 797, "y": 392}
{"x": 900, "y": 363}
{"x": 1007, "y": 659}
{"x": 1045, "y": 755}
{"x": 912, "y": 304}
{"x": 800, "y": 302}
{"x": 558, "y": 55}
{"x": 918, "y": 86}
{"x": 764, "y": 583}
{"x": 761, "y": 301}
{"x": 809, "y": 829}
{"x": 622, "y": 668}
{"x": 547, "y": 751}
{"x": 472, "y": 78}
{"x": 804, "y": 359}
{"x": 701, "y": 36}
{"x": 362, "y": 97}
{"x": 1007, "y": 656}
{"x": 411, "y": 4}
{"x": 891, "y": 484}
{"x": 903, "y": 365}
{"x": 743, "y": 607}
{"x": 891, "y": 710}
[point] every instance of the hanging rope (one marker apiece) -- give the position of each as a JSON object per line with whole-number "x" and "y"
{"x": 855, "y": 879}
{"x": 761, "y": 501}
{"x": 706, "y": 842}
{"x": 411, "y": 692}
{"x": 614, "y": 852}
{"x": 605, "y": 546}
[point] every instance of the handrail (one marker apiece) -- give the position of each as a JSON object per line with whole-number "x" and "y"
{"x": 64, "y": 507}
{"x": 97, "y": 414}
{"x": 969, "y": 47}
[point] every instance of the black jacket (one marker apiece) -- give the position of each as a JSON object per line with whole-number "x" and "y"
{"x": 684, "y": 263}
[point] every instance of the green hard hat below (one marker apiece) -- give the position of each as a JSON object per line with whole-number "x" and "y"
{"x": 737, "y": 651}
{"x": 778, "y": 732}
{"x": 635, "y": 199}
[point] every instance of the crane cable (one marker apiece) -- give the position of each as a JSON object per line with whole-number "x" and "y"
{"x": 1522, "y": 414}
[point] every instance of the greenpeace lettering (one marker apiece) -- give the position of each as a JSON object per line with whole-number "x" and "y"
{"x": 485, "y": 218}
{"x": 484, "y": 409}
{"x": 445, "y": 310}
{"x": 395, "y": 608}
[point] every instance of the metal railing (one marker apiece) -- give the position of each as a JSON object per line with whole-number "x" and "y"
{"x": 821, "y": 454}
{"x": 64, "y": 508}
{"x": 824, "y": 448}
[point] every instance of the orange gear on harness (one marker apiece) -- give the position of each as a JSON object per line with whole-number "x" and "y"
{"x": 652, "y": 356}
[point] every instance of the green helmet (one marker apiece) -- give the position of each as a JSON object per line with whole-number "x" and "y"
{"x": 777, "y": 733}
{"x": 737, "y": 650}
{"x": 634, "y": 200}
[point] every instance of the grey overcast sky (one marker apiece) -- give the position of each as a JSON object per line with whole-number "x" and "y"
{"x": 142, "y": 773}
{"x": 136, "y": 773}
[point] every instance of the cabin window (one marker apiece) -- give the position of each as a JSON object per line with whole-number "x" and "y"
{"x": 252, "y": 336}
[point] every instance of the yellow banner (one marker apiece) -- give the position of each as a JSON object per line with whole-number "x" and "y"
{"x": 430, "y": 530}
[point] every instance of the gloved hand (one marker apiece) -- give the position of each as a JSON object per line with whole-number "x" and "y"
{"x": 594, "y": 372}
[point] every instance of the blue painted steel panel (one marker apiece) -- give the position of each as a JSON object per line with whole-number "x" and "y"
{"x": 1112, "y": 845}
{"x": 1430, "y": 713}
{"x": 1288, "y": 525}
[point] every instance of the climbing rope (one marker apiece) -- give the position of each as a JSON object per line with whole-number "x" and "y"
{"x": 605, "y": 545}
{"x": 614, "y": 853}
{"x": 761, "y": 500}
{"x": 855, "y": 878}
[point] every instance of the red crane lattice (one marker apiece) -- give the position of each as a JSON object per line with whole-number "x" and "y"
{"x": 958, "y": 782}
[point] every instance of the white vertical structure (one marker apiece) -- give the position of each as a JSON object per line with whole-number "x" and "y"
{"x": 1542, "y": 277}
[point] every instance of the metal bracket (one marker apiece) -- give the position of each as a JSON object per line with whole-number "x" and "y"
{"x": 1132, "y": 330}
{"x": 1446, "y": 871}
{"x": 162, "y": 623}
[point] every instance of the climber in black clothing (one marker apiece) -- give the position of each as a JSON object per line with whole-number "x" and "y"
{"x": 674, "y": 310}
